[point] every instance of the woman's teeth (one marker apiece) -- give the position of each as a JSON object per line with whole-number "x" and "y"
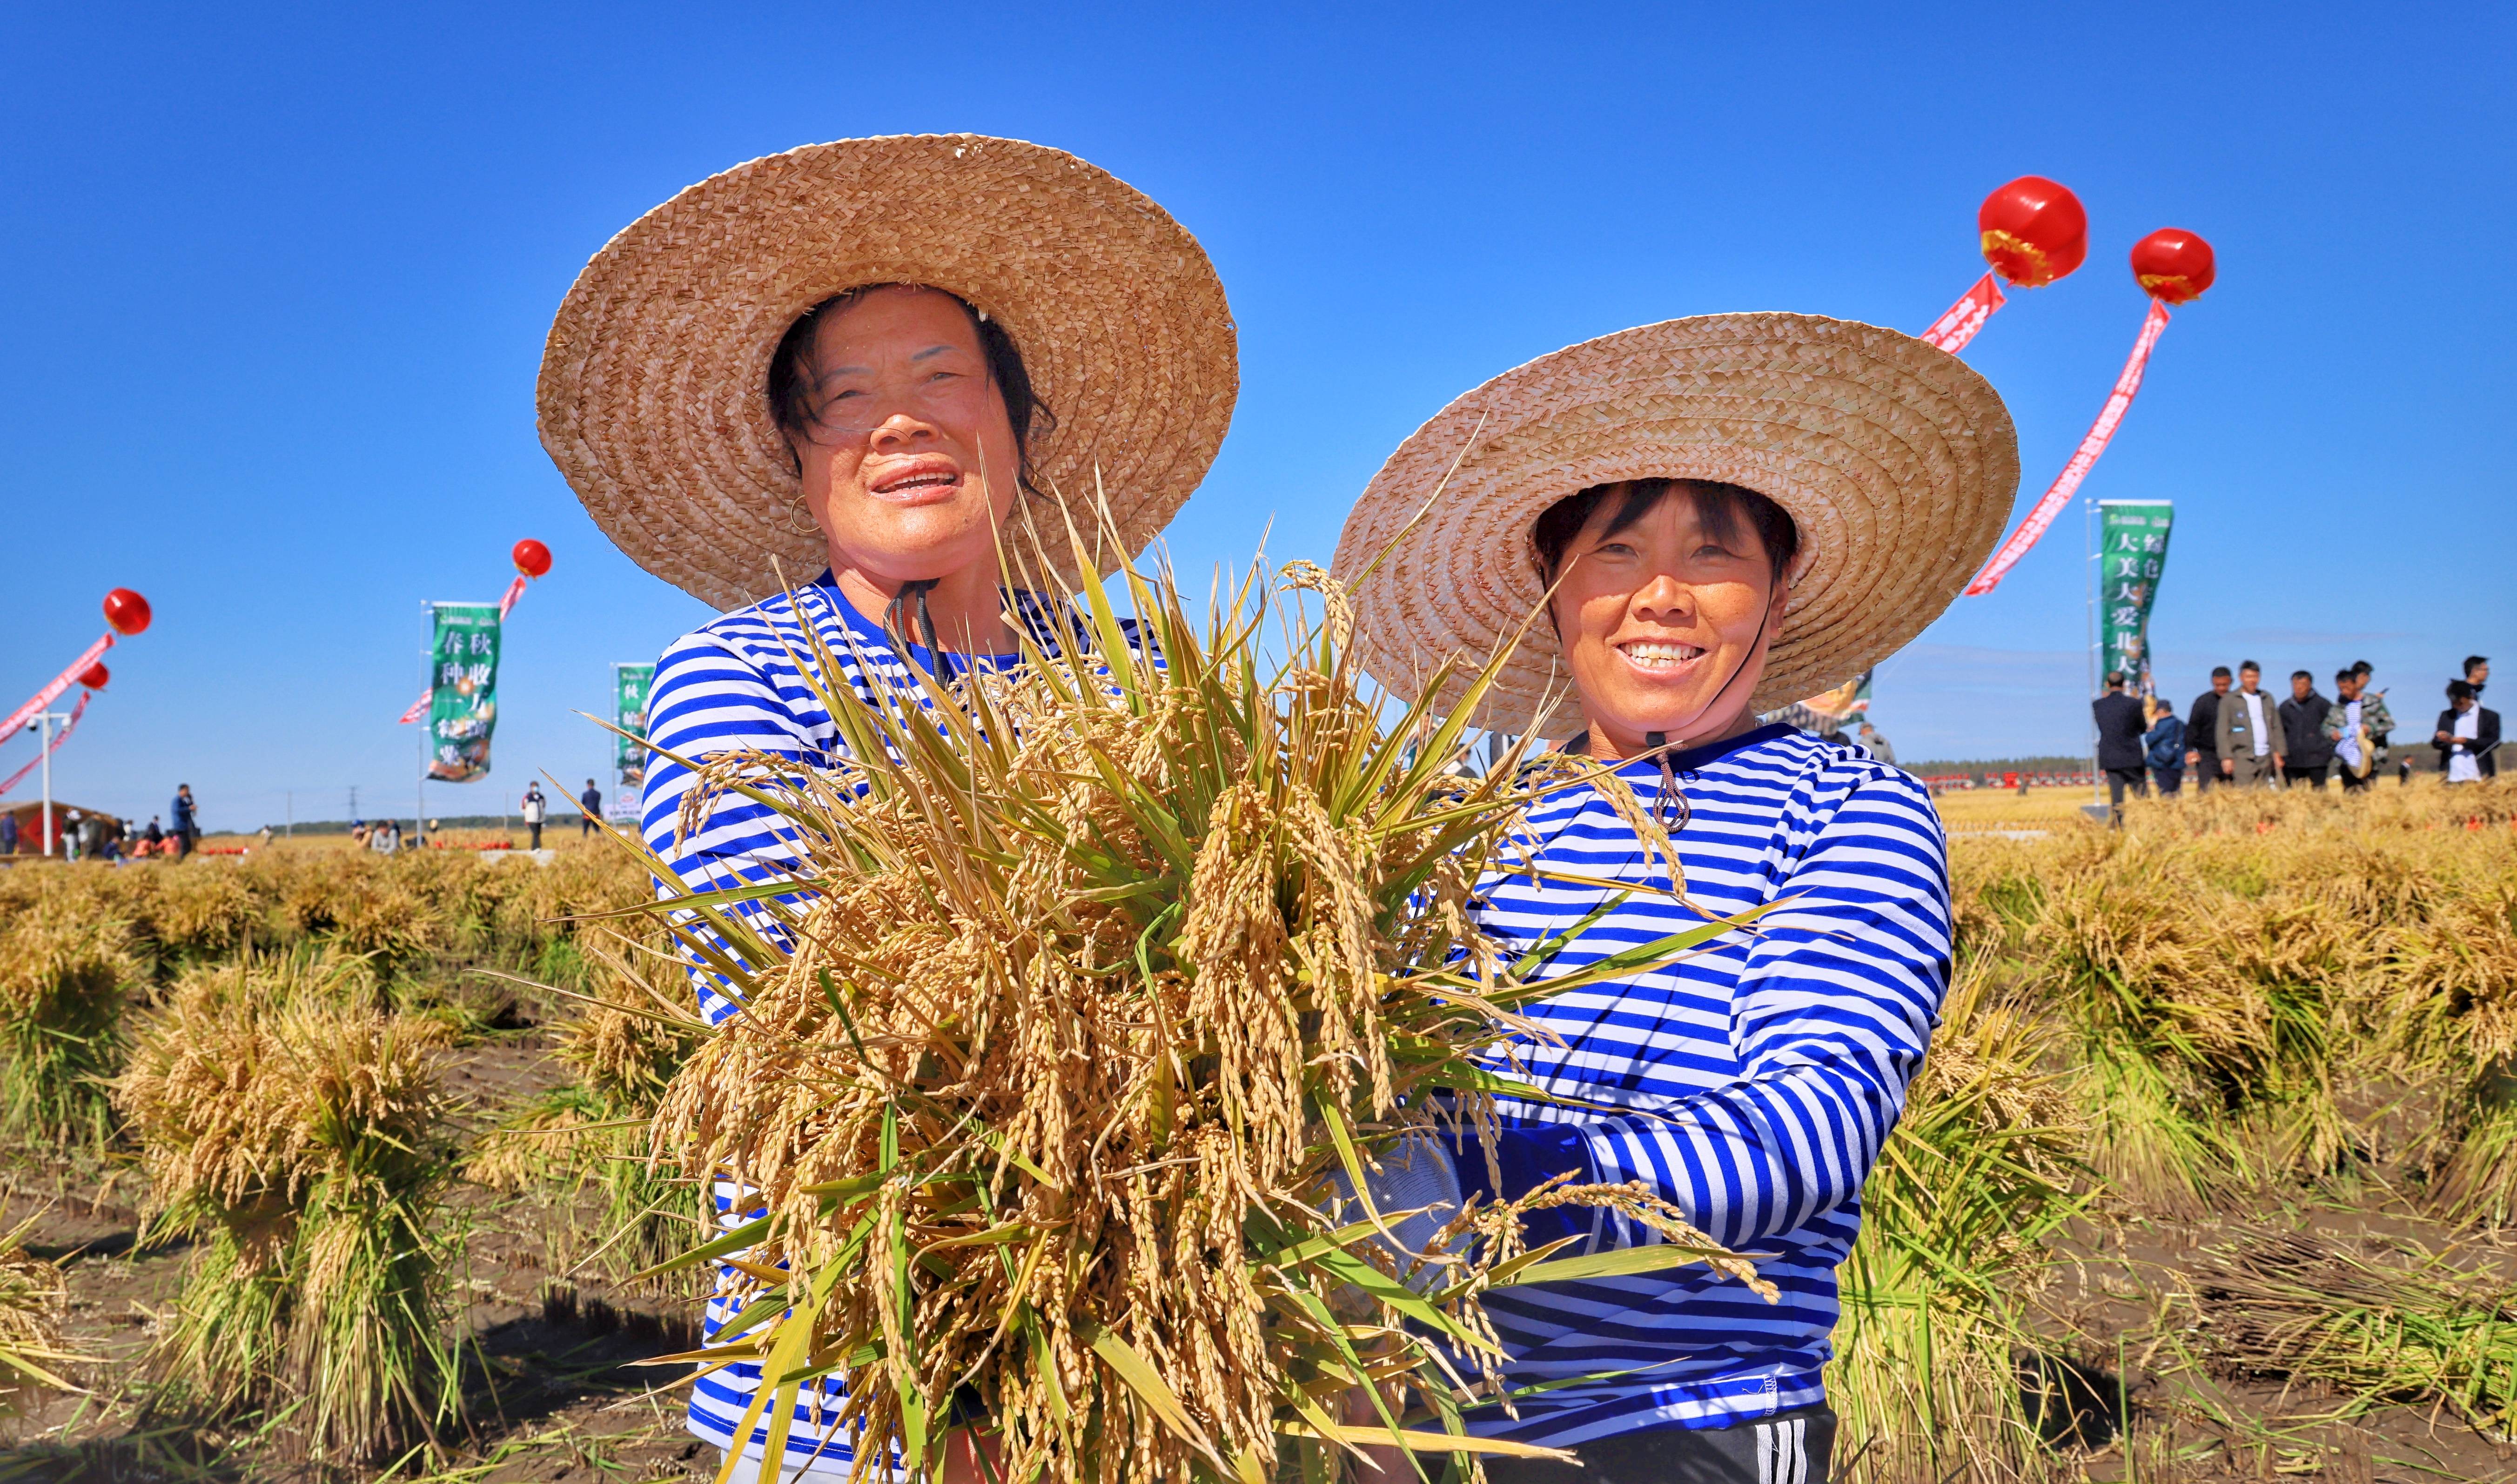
{"x": 1659, "y": 657}
{"x": 921, "y": 481}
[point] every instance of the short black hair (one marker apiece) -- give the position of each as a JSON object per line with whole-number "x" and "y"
{"x": 2114, "y": 680}
{"x": 790, "y": 388}
{"x": 2243, "y": 665}
{"x": 2474, "y": 661}
{"x": 1722, "y": 507}
{"x": 2341, "y": 676}
{"x": 2219, "y": 671}
{"x": 2459, "y": 690}
{"x": 2363, "y": 667}
{"x": 2302, "y": 675}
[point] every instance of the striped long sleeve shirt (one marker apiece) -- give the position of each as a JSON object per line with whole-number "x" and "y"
{"x": 733, "y": 685}
{"x": 1751, "y": 1085}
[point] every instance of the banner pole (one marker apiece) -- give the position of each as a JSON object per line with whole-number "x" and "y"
{"x": 428, "y": 724}
{"x": 2089, "y": 538}
{"x": 48, "y": 832}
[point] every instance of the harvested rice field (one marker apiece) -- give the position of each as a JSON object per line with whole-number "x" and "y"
{"x": 315, "y": 1167}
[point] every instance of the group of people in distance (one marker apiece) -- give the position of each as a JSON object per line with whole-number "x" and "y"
{"x": 2238, "y": 735}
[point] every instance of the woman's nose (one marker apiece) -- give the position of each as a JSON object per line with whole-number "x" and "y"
{"x": 1664, "y": 597}
{"x": 900, "y": 429}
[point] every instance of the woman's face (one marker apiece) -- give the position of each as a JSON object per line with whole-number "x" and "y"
{"x": 909, "y": 460}
{"x": 1661, "y": 623}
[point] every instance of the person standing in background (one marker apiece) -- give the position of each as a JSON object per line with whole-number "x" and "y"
{"x": 2119, "y": 741}
{"x": 2166, "y": 749}
{"x": 590, "y": 808}
{"x": 535, "y": 807}
{"x": 2357, "y": 725}
{"x": 2305, "y": 752}
{"x": 8, "y": 834}
{"x": 2477, "y": 674}
{"x": 67, "y": 829}
{"x": 2467, "y": 732}
{"x": 1877, "y": 746}
{"x": 186, "y": 825}
{"x": 2249, "y": 732}
{"x": 2202, "y": 732}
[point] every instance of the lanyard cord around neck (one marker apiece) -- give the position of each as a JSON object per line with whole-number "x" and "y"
{"x": 915, "y": 592}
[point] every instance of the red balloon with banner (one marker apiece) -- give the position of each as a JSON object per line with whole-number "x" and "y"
{"x": 531, "y": 557}
{"x": 126, "y": 612}
{"x": 2172, "y": 265}
{"x": 94, "y": 676}
{"x": 2033, "y": 231}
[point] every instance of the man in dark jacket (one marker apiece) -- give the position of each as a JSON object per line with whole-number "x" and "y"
{"x": 2120, "y": 745}
{"x": 2310, "y": 752}
{"x": 2202, "y": 732}
{"x": 2467, "y": 733}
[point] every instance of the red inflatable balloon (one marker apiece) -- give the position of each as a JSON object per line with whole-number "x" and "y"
{"x": 94, "y": 676}
{"x": 2035, "y": 230}
{"x": 126, "y": 612}
{"x": 2173, "y": 264}
{"x": 531, "y": 557}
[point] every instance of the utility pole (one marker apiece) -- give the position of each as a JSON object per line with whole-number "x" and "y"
{"x": 354, "y": 803}
{"x": 50, "y": 833}
{"x": 288, "y": 812}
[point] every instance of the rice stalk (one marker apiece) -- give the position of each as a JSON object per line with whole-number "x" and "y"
{"x": 32, "y": 1298}
{"x": 1096, "y": 973}
{"x": 300, "y": 1137}
{"x": 62, "y": 972}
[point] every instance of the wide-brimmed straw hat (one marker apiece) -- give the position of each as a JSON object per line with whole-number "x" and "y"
{"x": 1896, "y": 459}
{"x": 653, "y": 392}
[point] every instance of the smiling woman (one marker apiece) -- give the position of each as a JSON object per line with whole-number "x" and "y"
{"x": 841, "y": 360}
{"x": 1719, "y": 514}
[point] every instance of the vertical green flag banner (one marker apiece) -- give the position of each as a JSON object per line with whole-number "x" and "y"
{"x": 629, "y": 686}
{"x": 463, "y": 690}
{"x": 2132, "y": 550}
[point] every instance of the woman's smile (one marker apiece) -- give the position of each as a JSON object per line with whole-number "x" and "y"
{"x": 1661, "y": 659}
{"x": 927, "y": 479}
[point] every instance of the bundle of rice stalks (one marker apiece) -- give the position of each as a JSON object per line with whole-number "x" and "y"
{"x": 2383, "y": 1325}
{"x": 624, "y": 1051}
{"x": 32, "y": 1296}
{"x": 62, "y": 976}
{"x": 302, "y": 1139}
{"x": 204, "y": 910}
{"x": 1936, "y": 1295}
{"x": 1097, "y": 970}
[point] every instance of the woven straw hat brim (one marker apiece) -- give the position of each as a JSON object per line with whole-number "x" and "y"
{"x": 654, "y": 389}
{"x": 1897, "y": 461}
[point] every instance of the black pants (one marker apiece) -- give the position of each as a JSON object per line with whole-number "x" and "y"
{"x": 2293, "y": 775}
{"x": 1787, "y": 1448}
{"x": 2206, "y": 771}
{"x": 2353, "y": 783}
{"x": 2120, "y": 780}
{"x": 585, "y": 826}
{"x": 2168, "y": 781}
{"x": 536, "y": 828}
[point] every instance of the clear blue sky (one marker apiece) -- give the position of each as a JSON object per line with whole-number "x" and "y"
{"x": 274, "y": 284}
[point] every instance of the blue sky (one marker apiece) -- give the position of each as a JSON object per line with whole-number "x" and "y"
{"x": 274, "y": 284}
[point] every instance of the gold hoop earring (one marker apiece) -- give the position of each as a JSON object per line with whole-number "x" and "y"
{"x": 794, "y": 508}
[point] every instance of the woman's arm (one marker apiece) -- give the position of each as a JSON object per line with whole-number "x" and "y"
{"x": 1830, "y": 1019}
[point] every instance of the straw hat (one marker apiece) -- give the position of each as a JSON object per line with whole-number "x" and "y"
{"x": 654, "y": 393}
{"x": 1896, "y": 460}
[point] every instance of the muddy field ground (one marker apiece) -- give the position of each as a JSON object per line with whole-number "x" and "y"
{"x": 2144, "y": 1347}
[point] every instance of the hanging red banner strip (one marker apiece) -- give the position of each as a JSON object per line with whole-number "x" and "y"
{"x": 67, "y": 727}
{"x": 515, "y": 590}
{"x": 2109, "y": 417}
{"x": 60, "y": 681}
{"x": 1958, "y": 322}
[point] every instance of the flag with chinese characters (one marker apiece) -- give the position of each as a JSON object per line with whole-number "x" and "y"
{"x": 2132, "y": 550}
{"x": 629, "y": 686}
{"x": 462, "y": 691}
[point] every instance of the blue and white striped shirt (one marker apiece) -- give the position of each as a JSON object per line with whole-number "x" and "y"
{"x": 1755, "y": 1082}
{"x": 733, "y": 685}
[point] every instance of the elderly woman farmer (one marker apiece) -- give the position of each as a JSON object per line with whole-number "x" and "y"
{"x": 1717, "y": 515}
{"x": 867, "y": 361}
